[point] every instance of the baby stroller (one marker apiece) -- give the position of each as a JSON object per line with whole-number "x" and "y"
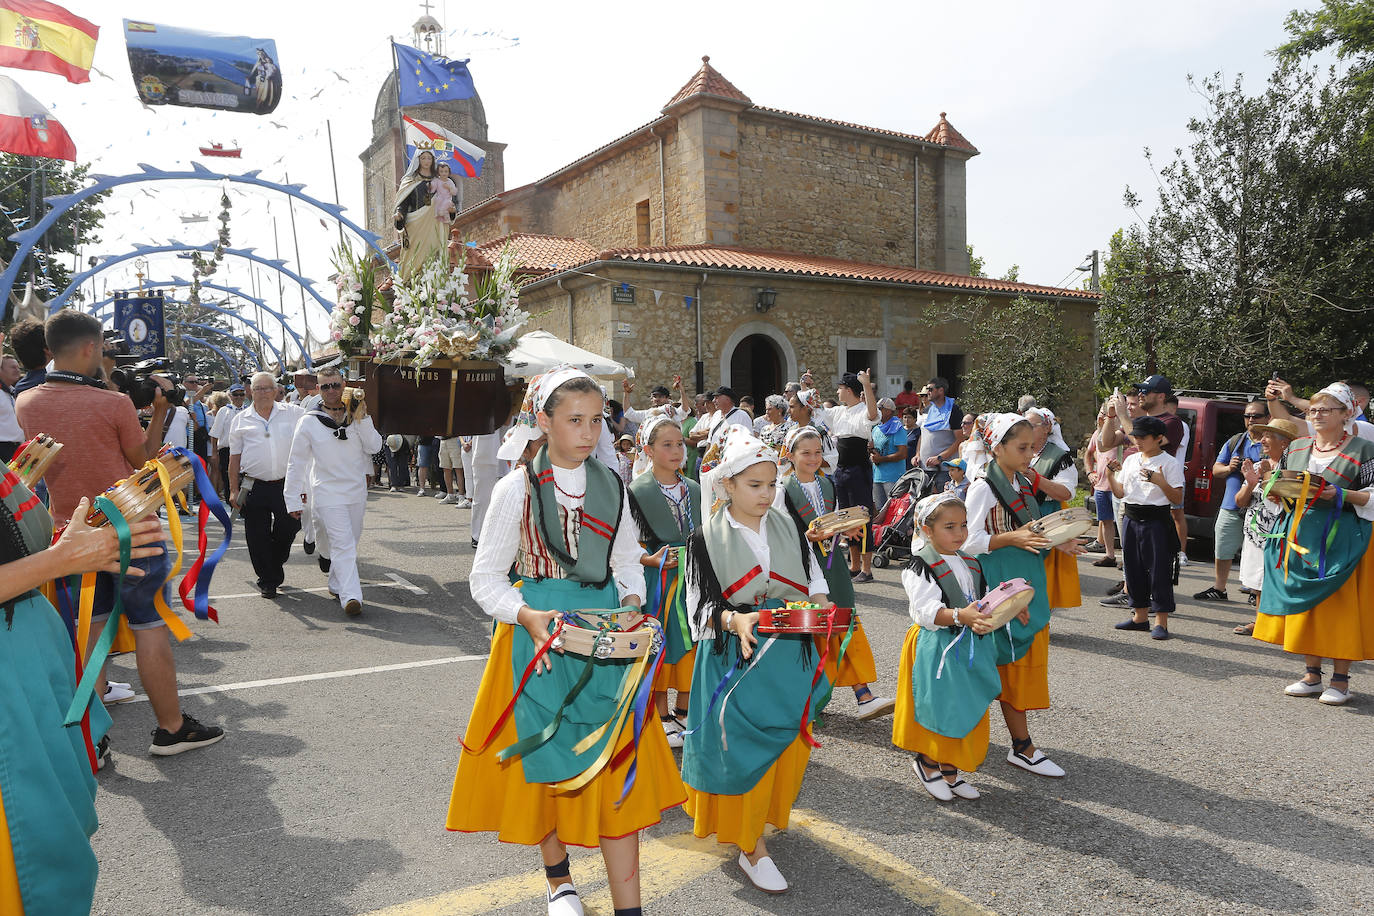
{"x": 893, "y": 528}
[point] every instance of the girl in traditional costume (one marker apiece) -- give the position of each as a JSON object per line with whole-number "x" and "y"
{"x": 948, "y": 675}
{"x": 1054, "y": 463}
{"x": 806, "y": 494}
{"x": 47, "y": 786}
{"x": 667, "y": 509}
{"x": 746, "y": 749}
{"x": 568, "y": 766}
{"x": 1001, "y": 504}
{"x": 1319, "y": 573}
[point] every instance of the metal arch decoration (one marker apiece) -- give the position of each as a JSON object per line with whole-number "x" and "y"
{"x": 211, "y": 329}
{"x": 59, "y": 204}
{"x": 229, "y": 361}
{"x": 108, "y": 312}
{"x": 175, "y": 247}
{"x": 232, "y": 291}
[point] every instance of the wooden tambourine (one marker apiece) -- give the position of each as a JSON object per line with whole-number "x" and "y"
{"x": 840, "y": 521}
{"x": 31, "y": 462}
{"x": 1064, "y": 525}
{"x": 1006, "y": 601}
{"x": 354, "y": 402}
{"x": 815, "y": 621}
{"x": 1289, "y": 484}
{"x": 140, "y": 494}
{"x": 610, "y": 643}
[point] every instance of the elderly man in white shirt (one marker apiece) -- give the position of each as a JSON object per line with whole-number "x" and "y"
{"x": 331, "y": 458}
{"x": 851, "y": 423}
{"x": 219, "y": 432}
{"x": 259, "y": 448}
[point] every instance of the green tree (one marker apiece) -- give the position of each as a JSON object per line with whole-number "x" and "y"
{"x": 1347, "y": 26}
{"x": 975, "y": 264}
{"x": 1031, "y": 328}
{"x": 24, "y": 182}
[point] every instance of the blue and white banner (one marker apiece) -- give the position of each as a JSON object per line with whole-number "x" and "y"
{"x": 139, "y": 321}
{"x": 173, "y": 66}
{"x": 465, "y": 159}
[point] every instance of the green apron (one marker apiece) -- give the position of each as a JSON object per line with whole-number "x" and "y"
{"x": 838, "y": 580}
{"x": 663, "y": 530}
{"x": 1014, "y": 640}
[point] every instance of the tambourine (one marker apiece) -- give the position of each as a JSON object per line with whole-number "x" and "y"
{"x": 140, "y": 494}
{"x": 840, "y": 521}
{"x": 1064, "y": 525}
{"x": 593, "y": 642}
{"x": 1289, "y": 484}
{"x": 816, "y": 621}
{"x": 31, "y": 462}
{"x": 1006, "y": 601}
{"x": 354, "y": 402}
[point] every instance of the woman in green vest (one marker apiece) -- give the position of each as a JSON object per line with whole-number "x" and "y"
{"x": 746, "y": 748}
{"x": 948, "y": 674}
{"x": 1058, "y": 479}
{"x": 47, "y": 786}
{"x": 1319, "y": 575}
{"x": 550, "y": 756}
{"x": 667, "y": 509}
{"x": 806, "y": 494}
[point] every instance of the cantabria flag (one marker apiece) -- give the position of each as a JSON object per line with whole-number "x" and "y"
{"x": 25, "y": 127}
{"x": 37, "y": 35}
{"x": 464, "y": 158}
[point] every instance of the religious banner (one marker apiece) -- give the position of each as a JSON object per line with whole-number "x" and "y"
{"x": 139, "y": 321}
{"x": 175, "y": 66}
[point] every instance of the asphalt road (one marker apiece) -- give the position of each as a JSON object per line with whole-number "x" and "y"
{"x": 1194, "y": 785}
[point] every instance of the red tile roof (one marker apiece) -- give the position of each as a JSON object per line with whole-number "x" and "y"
{"x": 708, "y": 81}
{"x": 535, "y": 255}
{"x": 944, "y": 134}
{"x": 787, "y": 263}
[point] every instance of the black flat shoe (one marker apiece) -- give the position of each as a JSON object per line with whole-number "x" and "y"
{"x": 1132, "y": 624}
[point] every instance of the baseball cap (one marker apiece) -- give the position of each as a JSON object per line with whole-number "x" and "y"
{"x": 236, "y": 389}
{"x": 1154, "y": 383}
{"x": 957, "y": 463}
{"x": 727, "y": 391}
{"x": 888, "y": 403}
{"x": 1148, "y": 426}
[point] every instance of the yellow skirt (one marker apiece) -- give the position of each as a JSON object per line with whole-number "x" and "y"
{"x": 858, "y": 666}
{"x": 740, "y": 819}
{"x": 1061, "y": 574}
{"x": 10, "y": 900}
{"x": 677, "y": 676}
{"x": 1026, "y": 681}
{"x": 1340, "y": 627}
{"x": 491, "y": 795}
{"x": 966, "y": 753}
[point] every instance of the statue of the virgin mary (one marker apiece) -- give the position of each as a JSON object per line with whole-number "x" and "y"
{"x": 422, "y": 232}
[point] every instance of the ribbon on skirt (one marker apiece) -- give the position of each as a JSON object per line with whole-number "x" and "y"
{"x": 515, "y": 694}
{"x": 85, "y": 690}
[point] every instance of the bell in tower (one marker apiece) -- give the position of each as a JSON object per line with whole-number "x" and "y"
{"x": 429, "y": 34}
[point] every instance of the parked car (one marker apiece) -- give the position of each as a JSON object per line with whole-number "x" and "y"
{"x": 1213, "y": 417}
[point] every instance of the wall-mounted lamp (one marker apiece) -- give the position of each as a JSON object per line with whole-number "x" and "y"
{"x": 767, "y": 298}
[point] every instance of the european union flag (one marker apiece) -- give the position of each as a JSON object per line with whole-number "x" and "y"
{"x": 426, "y": 78}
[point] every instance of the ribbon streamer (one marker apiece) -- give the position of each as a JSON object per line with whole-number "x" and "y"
{"x": 85, "y": 690}
{"x": 198, "y": 576}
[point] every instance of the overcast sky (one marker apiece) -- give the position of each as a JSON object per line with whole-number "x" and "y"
{"x": 1059, "y": 98}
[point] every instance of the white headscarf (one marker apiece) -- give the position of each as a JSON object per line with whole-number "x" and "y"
{"x": 796, "y": 433}
{"x": 924, "y": 510}
{"x": 1056, "y": 434}
{"x": 1341, "y": 392}
{"x": 742, "y": 450}
{"x": 979, "y": 453}
{"x": 646, "y": 432}
{"x": 526, "y": 429}
{"x": 999, "y": 425}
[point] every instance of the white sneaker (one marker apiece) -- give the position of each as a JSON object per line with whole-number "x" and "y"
{"x": 964, "y": 790}
{"x": 565, "y": 902}
{"x": 1040, "y": 765}
{"x": 120, "y": 684}
{"x": 1301, "y": 688}
{"x": 1182, "y": 559}
{"x": 672, "y": 731}
{"x": 463, "y": 503}
{"x": 875, "y": 706}
{"x": 117, "y": 693}
{"x": 1334, "y": 696}
{"x": 393, "y": 489}
{"x": 764, "y": 874}
{"x": 421, "y": 492}
{"x": 449, "y": 499}
{"x": 935, "y": 785}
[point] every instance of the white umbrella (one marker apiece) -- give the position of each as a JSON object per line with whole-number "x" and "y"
{"x": 539, "y": 351}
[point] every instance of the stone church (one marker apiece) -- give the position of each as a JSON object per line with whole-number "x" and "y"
{"x": 738, "y": 244}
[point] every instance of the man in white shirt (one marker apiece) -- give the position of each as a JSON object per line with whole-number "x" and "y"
{"x": 331, "y": 456}
{"x": 11, "y": 433}
{"x": 259, "y": 447}
{"x": 486, "y": 470}
{"x": 219, "y": 433}
{"x": 660, "y": 404}
{"x": 851, "y": 423}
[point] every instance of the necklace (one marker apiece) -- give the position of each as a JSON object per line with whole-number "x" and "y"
{"x": 566, "y": 493}
{"x": 1330, "y": 448}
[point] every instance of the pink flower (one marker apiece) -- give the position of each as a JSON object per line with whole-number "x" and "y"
{"x": 353, "y": 320}
{"x": 337, "y": 335}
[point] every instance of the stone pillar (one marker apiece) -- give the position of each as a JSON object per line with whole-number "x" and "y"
{"x": 952, "y": 195}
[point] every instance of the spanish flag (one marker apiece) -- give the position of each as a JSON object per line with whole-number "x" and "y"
{"x": 37, "y": 35}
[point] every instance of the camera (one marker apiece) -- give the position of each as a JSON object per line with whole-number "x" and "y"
{"x": 136, "y": 380}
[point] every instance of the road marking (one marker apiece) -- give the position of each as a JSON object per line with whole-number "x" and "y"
{"x": 669, "y": 863}
{"x": 321, "y": 676}
{"x": 408, "y": 586}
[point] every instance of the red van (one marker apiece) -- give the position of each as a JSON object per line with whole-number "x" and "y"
{"x": 1213, "y": 418}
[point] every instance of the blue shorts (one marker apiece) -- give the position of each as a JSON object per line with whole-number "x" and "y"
{"x": 139, "y": 593}
{"x": 1103, "y": 499}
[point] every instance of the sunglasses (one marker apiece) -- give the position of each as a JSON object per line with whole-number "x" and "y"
{"x": 331, "y": 386}
{"x": 1255, "y": 416}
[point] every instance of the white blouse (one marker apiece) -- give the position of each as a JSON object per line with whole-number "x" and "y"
{"x": 758, "y": 544}
{"x": 1068, "y": 477}
{"x": 979, "y": 502}
{"x": 924, "y": 597}
{"x": 1317, "y": 465}
{"x": 496, "y": 551}
{"x": 848, "y": 421}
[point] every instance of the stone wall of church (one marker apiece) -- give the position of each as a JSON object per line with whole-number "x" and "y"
{"x": 598, "y": 204}
{"x": 815, "y": 191}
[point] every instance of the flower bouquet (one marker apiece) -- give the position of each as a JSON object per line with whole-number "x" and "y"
{"x": 350, "y": 323}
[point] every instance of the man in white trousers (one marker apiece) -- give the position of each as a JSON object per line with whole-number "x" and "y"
{"x": 487, "y": 468}
{"x": 331, "y": 456}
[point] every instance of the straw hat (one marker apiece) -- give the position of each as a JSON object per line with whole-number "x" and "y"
{"x": 1286, "y": 428}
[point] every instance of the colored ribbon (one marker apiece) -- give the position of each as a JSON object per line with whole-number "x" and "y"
{"x": 1329, "y": 532}
{"x": 642, "y": 701}
{"x": 169, "y": 617}
{"x": 815, "y": 679}
{"x": 515, "y": 694}
{"x": 198, "y": 576}
{"x": 85, "y": 690}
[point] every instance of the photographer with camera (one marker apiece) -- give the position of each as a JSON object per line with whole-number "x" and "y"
{"x": 103, "y": 442}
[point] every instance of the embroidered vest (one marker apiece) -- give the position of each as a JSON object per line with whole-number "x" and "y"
{"x": 927, "y": 560}
{"x": 586, "y": 559}
{"x": 742, "y": 581}
{"x": 1344, "y": 470}
{"x": 799, "y": 504}
{"x": 1051, "y": 461}
{"x": 655, "y": 515}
